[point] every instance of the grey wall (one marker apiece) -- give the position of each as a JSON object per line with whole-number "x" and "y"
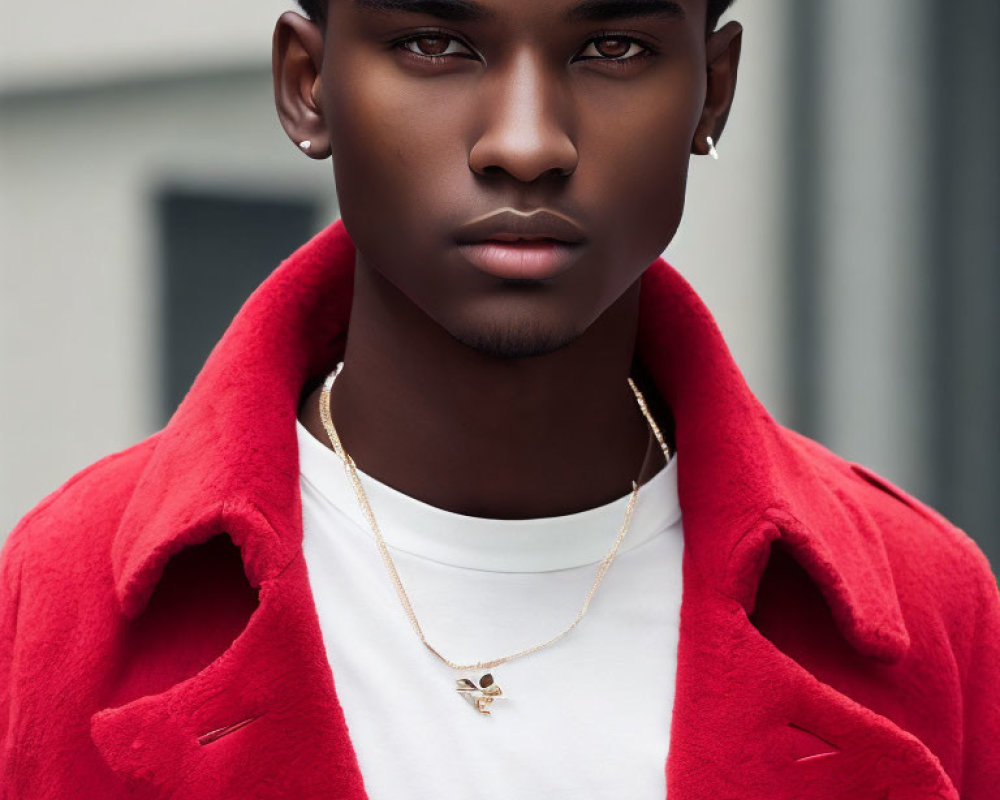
{"x": 893, "y": 251}
{"x": 81, "y": 329}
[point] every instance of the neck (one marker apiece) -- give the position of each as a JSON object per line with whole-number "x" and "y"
{"x": 485, "y": 436}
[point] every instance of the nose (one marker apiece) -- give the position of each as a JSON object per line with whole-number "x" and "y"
{"x": 525, "y": 133}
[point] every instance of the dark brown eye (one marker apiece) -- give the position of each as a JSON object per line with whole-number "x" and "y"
{"x": 432, "y": 45}
{"x": 612, "y": 48}
{"x": 615, "y": 48}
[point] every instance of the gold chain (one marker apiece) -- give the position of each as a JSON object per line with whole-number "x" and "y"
{"x": 338, "y": 447}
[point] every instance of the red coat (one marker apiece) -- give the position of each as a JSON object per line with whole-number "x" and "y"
{"x": 838, "y": 638}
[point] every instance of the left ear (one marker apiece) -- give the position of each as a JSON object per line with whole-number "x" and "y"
{"x": 722, "y": 57}
{"x": 297, "y": 62}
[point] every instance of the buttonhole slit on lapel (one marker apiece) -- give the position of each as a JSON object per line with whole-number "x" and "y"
{"x": 828, "y": 749}
{"x": 225, "y": 730}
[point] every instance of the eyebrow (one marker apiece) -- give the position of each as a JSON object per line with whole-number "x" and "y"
{"x": 469, "y": 11}
{"x": 605, "y": 10}
{"x": 452, "y": 10}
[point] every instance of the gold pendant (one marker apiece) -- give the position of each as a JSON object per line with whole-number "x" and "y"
{"x": 481, "y": 696}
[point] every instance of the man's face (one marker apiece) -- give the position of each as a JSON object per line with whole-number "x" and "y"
{"x": 437, "y": 117}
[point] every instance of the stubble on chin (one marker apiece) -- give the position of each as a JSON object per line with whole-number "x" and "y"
{"x": 514, "y": 340}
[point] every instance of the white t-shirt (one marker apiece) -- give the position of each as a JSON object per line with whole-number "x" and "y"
{"x": 587, "y": 717}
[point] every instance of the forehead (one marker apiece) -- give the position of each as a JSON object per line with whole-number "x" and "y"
{"x": 495, "y": 10}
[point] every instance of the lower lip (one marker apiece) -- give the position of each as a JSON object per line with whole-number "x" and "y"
{"x": 525, "y": 260}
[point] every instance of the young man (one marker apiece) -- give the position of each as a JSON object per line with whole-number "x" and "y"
{"x": 408, "y": 613}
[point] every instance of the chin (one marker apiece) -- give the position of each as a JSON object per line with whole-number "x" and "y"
{"x": 514, "y": 341}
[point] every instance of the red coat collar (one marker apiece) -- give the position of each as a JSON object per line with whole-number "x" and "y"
{"x": 748, "y": 720}
{"x": 235, "y": 430}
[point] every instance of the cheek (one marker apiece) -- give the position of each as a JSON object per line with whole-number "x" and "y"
{"x": 387, "y": 133}
{"x": 637, "y": 155}
{"x": 396, "y": 145}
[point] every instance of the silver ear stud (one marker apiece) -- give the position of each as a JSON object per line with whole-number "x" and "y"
{"x": 711, "y": 148}
{"x": 305, "y": 144}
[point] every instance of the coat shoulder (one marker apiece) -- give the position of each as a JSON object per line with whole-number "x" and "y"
{"x": 945, "y": 688}
{"x": 78, "y": 519}
{"x": 928, "y": 552}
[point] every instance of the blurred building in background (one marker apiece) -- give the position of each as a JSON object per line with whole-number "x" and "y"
{"x": 847, "y": 240}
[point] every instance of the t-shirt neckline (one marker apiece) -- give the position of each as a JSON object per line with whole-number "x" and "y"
{"x": 496, "y": 545}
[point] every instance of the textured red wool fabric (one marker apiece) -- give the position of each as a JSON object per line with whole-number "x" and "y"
{"x": 838, "y": 638}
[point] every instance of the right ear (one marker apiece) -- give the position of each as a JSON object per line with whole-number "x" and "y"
{"x": 296, "y": 63}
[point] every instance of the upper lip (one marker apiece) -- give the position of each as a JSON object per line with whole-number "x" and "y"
{"x": 508, "y": 225}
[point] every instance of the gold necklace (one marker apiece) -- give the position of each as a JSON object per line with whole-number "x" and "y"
{"x": 480, "y": 696}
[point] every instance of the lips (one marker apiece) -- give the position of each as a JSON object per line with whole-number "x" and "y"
{"x": 515, "y": 245}
{"x": 538, "y": 259}
{"x": 542, "y": 223}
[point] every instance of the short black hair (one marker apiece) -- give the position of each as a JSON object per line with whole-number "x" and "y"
{"x": 316, "y": 10}
{"x": 716, "y": 8}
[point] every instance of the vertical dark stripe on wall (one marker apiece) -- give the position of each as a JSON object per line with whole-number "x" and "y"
{"x": 802, "y": 143}
{"x": 964, "y": 242}
{"x": 216, "y": 248}
{"x": 941, "y": 110}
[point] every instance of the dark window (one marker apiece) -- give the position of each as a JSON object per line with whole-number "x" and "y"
{"x": 216, "y": 248}
{"x": 964, "y": 258}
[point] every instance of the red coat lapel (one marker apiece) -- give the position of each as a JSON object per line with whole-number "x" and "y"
{"x": 263, "y": 719}
{"x": 748, "y": 721}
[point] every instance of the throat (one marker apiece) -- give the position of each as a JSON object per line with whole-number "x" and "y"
{"x": 517, "y": 467}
